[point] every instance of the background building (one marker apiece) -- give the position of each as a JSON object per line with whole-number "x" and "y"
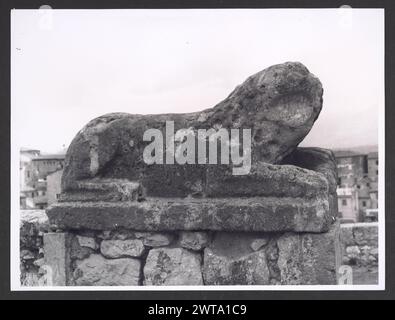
{"x": 35, "y": 168}
{"x": 42, "y": 165}
{"x": 351, "y": 166}
{"x": 373, "y": 172}
{"x": 357, "y": 185}
{"x": 25, "y": 175}
{"x": 53, "y": 186}
{"x": 348, "y": 204}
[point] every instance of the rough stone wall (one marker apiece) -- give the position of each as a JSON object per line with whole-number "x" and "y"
{"x": 359, "y": 243}
{"x": 120, "y": 258}
{"x": 34, "y": 223}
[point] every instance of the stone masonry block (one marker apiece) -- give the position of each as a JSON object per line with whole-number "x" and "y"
{"x": 57, "y": 257}
{"x": 99, "y": 271}
{"x": 172, "y": 266}
{"x": 309, "y": 258}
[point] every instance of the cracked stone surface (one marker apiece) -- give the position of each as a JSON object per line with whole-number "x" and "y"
{"x": 121, "y": 248}
{"x": 194, "y": 240}
{"x": 309, "y": 258}
{"x": 172, "y": 266}
{"x": 99, "y": 271}
{"x": 222, "y": 214}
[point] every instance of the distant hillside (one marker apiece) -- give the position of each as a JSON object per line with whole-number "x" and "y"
{"x": 361, "y": 149}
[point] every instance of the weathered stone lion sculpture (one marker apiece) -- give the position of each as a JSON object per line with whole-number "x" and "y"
{"x": 126, "y": 221}
{"x": 279, "y": 105}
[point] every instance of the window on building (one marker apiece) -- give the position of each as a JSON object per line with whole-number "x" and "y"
{"x": 363, "y": 203}
{"x": 58, "y": 196}
{"x": 339, "y": 181}
{"x": 377, "y": 172}
{"x": 358, "y": 186}
{"x": 344, "y": 202}
{"x": 377, "y": 162}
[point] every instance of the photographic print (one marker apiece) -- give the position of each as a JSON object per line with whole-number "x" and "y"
{"x": 199, "y": 149}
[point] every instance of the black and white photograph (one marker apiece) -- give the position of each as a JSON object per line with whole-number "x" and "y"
{"x": 197, "y": 149}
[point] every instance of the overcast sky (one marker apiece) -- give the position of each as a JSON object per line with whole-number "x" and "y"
{"x": 70, "y": 66}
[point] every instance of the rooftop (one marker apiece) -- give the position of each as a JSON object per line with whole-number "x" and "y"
{"x": 28, "y": 150}
{"x": 347, "y": 154}
{"x": 59, "y": 156}
{"x": 373, "y": 155}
